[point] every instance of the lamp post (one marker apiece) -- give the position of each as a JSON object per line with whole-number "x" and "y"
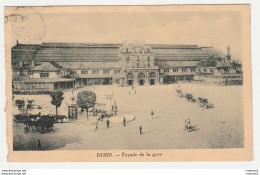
{"x": 109, "y": 97}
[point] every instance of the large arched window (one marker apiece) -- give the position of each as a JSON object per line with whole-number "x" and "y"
{"x": 130, "y": 76}
{"x": 141, "y": 75}
{"x": 152, "y": 75}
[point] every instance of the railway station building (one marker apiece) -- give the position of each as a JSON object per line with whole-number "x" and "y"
{"x": 55, "y": 66}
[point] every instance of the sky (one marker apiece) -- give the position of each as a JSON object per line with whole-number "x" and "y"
{"x": 217, "y": 29}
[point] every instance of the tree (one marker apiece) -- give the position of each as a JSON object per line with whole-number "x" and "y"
{"x": 57, "y": 98}
{"x": 86, "y": 100}
{"x": 237, "y": 66}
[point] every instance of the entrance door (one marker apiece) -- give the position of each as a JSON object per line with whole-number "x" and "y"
{"x": 152, "y": 82}
{"x": 130, "y": 82}
{"x": 141, "y": 82}
{"x": 130, "y": 79}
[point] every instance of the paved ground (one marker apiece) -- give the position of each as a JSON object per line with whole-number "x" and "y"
{"x": 221, "y": 127}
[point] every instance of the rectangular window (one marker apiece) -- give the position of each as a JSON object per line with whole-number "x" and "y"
{"x": 44, "y": 75}
{"x": 166, "y": 70}
{"x": 106, "y": 71}
{"x": 116, "y": 71}
{"x": 72, "y": 72}
{"x": 192, "y": 70}
{"x": 84, "y": 72}
{"x": 95, "y": 71}
{"x": 175, "y": 70}
{"x": 184, "y": 70}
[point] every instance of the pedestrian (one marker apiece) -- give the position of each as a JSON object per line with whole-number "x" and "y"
{"x": 26, "y": 129}
{"x": 96, "y": 126}
{"x": 185, "y": 125}
{"x": 124, "y": 121}
{"x": 152, "y": 113}
{"x": 141, "y": 130}
{"x": 115, "y": 109}
{"x": 188, "y": 125}
{"x": 108, "y": 122}
{"x": 102, "y": 116}
{"x": 39, "y": 146}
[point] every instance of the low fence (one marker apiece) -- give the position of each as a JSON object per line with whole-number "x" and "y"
{"x": 235, "y": 80}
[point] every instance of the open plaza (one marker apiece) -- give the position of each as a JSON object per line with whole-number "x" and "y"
{"x": 218, "y": 127}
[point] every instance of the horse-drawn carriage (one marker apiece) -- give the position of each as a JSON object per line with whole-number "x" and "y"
{"x": 179, "y": 93}
{"x": 189, "y": 97}
{"x": 43, "y": 124}
{"x": 204, "y": 103}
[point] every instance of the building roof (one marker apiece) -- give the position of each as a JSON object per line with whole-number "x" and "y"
{"x": 172, "y": 64}
{"x": 28, "y": 47}
{"x": 60, "y": 52}
{"x": 89, "y": 65}
{"x": 47, "y": 67}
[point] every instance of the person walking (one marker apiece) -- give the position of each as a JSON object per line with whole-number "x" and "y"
{"x": 96, "y": 126}
{"x": 26, "y": 129}
{"x": 124, "y": 122}
{"x": 140, "y": 130}
{"x": 115, "y": 109}
{"x": 188, "y": 125}
{"x": 152, "y": 113}
{"x": 39, "y": 146}
{"x": 108, "y": 122}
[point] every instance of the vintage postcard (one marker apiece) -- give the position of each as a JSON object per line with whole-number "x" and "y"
{"x": 128, "y": 83}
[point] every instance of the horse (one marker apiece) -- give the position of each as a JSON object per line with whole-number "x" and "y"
{"x": 60, "y": 117}
{"x": 20, "y": 118}
{"x": 34, "y": 117}
{"x": 29, "y": 123}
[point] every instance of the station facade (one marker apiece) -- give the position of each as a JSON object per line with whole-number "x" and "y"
{"x": 60, "y": 66}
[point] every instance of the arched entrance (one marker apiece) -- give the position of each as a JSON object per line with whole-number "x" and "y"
{"x": 130, "y": 79}
{"x": 152, "y": 78}
{"x": 141, "y": 78}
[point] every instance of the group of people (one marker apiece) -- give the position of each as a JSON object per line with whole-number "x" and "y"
{"x": 114, "y": 109}
{"x": 107, "y": 123}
